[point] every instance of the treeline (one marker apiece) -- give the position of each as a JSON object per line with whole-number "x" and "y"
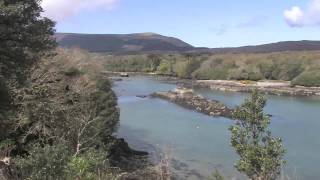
{"x": 301, "y": 68}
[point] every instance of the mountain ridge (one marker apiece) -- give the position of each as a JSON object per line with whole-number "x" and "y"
{"x": 155, "y": 43}
{"x": 122, "y": 43}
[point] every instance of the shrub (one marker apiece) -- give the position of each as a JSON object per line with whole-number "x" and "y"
{"x": 164, "y": 68}
{"x": 47, "y": 162}
{"x": 309, "y": 79}
{"x": 73, "y": 71}
{"x": 214, "y": 74}
{"x": 254, "y": 76}
{"x": 184, "y": 69}
{"x": 87, "y": 166}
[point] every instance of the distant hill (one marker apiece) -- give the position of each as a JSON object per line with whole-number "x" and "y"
{"x": 155, "y": 43}
{"x": 122, "y": 43}
{"x": 272, "y": 47}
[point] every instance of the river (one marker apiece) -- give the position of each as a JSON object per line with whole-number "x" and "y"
{"x": 198, "y": 144}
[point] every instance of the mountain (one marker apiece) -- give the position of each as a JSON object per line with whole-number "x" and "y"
{"x": 155, "y": 43}
{"x": 122, "y": 43}
{"x": 272, "y": 47}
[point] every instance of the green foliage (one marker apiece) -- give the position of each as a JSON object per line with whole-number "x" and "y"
{"x": 154, "y": 61}
{"x": 214, "y": 74}
{"x": 184, "y": 69}
{"x": 165, "y": 68}
{"x": 87, "y": 165}
{"x": 25, "y": 35}
{"x": 261, "y": 155}
{"x": 310, "y": 79}
{"x": 55, "y": 111}
{"x": 78, "y": 110}
{"x": 43, "y": 162}
{"x": 216, "y": 176}
{"x": 267, "y": 66}
{"x": 73, "y": 71}
{"x": 138, "y": 63}
{"x": 281, "y": 71}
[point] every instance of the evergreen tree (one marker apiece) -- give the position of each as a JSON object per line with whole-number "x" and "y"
{"x": 261, "y": 155}
{"x": 24, "y": 35}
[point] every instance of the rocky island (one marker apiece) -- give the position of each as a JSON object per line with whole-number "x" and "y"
{"x": 187, "y": 98}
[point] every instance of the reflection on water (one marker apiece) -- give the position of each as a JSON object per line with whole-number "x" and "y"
{"x": 202, "y": 142}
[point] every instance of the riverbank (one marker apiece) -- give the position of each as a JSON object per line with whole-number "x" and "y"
{"x": 266, "y": 87}
{"x": 280, "y": 88}
{"x": 186, "y": 98}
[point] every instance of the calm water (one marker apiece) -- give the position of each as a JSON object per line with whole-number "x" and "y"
{"x": 198, "y": 144}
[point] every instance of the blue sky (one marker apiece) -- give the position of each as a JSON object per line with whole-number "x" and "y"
{"x": 209, "y": 23}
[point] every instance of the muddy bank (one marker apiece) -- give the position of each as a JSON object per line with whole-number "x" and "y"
{"x": 187, "y": 99}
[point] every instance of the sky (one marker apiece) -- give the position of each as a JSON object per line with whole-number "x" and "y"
{"x": 201, "y": 23}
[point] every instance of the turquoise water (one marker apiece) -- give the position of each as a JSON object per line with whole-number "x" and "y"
{"x": 198, "y": 144}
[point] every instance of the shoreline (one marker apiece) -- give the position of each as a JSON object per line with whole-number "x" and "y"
{"x": 269, "y": 87}
{"x": 279, "y": 88}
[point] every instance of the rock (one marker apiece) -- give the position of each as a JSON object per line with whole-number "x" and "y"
{"x": 193, "y": 102}
{"x": 121, "y": 148}
{"x": 124, "y": 74}
{"x": 115, "y": 79}
{"x": 141, "y": 96}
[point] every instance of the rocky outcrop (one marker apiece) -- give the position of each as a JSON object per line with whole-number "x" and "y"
{"x": 187, "y": 99}
{"x": 125, "y": 158}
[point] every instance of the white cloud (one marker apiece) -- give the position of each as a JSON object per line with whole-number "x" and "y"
{"x": 61, "y": 9}
{"x": 296, "y": 17}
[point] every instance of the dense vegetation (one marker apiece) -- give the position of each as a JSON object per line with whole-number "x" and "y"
{"x": 67, "y": 110}
{"x": 300, "y": 67}
{"x": 57, "y": 112}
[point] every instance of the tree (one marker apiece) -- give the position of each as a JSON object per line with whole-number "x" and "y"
{"x": 24, "y": 35}
{"x": 261, "y": 155}
{"x": 154, "y": 61}
{"x": 67, "y": 103}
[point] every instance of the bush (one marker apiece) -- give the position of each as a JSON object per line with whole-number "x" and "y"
{"x": 164, "y": 68}
{"x": 214, "y": 74}
{"x": 309, "y": 79}
{"x": 185, "y": 69}
{"x": 73, "y": 71}
{"x": 213, "y": 69}
{"x": 254, "y": 76}
{"x": 87, "y": 165}
{"x": 46, "y": 162}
